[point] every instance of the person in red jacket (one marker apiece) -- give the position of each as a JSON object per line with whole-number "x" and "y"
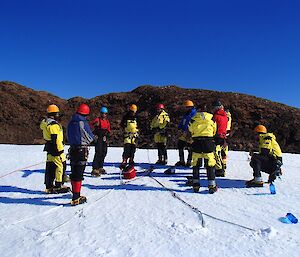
{"x": 220, "y": 117}
{"x": 101, "y": 129}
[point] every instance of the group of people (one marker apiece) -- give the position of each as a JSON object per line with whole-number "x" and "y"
{"x": 203, "y": 134}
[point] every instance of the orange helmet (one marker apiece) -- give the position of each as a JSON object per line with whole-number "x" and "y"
{"x": 260, "y": 129}
{"x": 52, "y": 108}
{"x": 188, "y": 103}
{"x": 133, "y": 107}
{"x": 83, "y": 109}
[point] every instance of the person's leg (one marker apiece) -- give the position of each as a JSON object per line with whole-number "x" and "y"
{"x": 49, "y": 174}
{"x": 97, "y": 156}
{"x": 180, "y": 146}
{"x": 78, "y": 163}
{"x": 103, "y": 154}
{"x": 219, "y": 166}
{"x": 256, "y": 163}
{"x": 210, "y": 170}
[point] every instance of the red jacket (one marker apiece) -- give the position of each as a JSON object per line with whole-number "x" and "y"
{"x": 100, "y": 127}
{"x": 220, "y": 117}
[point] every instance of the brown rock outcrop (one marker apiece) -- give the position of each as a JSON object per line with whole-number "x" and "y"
{"x": 23, "y": 108}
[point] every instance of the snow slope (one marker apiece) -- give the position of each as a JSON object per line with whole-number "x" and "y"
{"x": 141, "y": 218}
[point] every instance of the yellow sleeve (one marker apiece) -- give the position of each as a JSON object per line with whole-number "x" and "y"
{"x": 276, "y": 149}
{"x": 214, "y": 128}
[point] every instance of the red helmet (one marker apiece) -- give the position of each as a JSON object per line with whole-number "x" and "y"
{"x": 83, "y": 109}
{"x": 160, "y": 106}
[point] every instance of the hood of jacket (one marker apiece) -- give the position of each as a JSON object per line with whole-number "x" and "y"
{"x": 220, "y": 112}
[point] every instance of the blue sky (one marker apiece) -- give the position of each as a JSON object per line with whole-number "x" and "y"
{"x": 88, "y": 48}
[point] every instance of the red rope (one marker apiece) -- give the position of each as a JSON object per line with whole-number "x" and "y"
{"x": 21, "y": 169}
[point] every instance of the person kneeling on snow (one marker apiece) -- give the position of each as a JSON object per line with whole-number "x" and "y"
{"x": 268, "y": 160}
{"x": 79, "y": 137}
{"x": 56, "y": 159}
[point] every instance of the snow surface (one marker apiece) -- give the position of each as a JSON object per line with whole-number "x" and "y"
{"x": 141, "y": 218}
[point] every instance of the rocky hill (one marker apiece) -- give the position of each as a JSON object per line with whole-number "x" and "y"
{"x": 23, "y": 108}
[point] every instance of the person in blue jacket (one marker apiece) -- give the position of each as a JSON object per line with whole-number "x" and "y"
{"x": 184, "y": 140}
{"x": 80, "y": 137}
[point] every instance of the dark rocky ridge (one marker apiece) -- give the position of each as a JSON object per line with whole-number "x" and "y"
{"x": 23, "y": 108}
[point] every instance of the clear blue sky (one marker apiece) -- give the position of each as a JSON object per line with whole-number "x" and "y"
{"x": 88, "y": 48}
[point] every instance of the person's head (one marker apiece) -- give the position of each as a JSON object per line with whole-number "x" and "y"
{"x": 133, "y": 108}
{"x": 103, "y": 112}
{"x": 53, "y": 111}
{"x": 159, "y": 107}
{"x": 260, "y": 129}
{"x": 188, "y": 104}
{"x": 216, "y": 105}
{"x": 83, "y": 110}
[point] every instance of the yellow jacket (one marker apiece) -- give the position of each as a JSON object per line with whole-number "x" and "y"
{"x": 160, "y": 121}
{"x": 53, "y": 134}
{"x": 229, "y": 121}
{"x": 131, "y": 126}
{"x": 202, "y": 125}
{"x": 269, "y": 145}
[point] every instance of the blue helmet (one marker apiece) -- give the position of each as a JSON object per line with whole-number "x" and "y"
{"x": 103, "y": 110}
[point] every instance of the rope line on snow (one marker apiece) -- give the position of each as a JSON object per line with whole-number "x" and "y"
{"x": 196, "y": 210}
{"x": 229, "y": 222}
{"x": 22, "y": 169}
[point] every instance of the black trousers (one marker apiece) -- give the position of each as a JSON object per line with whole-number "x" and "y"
{"x": 50, "y": 173}
{"x": 210, "y": 171}
{"x": 129, "y": 151}
{"x": 78, "y": 159}
{"x": 100, "y": 154}
{"x": 162, "y": 151}
{"x": 181, "y": 145}
{"x": 263, "y": 163}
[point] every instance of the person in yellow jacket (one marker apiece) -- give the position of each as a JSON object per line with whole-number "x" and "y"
{"x": 202, "y": 129}
{"x": 268, "y": 160}
{"x": 129, "y": 124}
{"x": 56, "y": 159}
{"x": 158, "y": 126}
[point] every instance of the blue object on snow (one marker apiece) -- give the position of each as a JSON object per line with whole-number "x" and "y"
{"x": 272, "y": 189}
{"x": 292, "y": 218}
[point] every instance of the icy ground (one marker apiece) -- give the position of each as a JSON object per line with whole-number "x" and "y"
{"x": 141, "y": 218}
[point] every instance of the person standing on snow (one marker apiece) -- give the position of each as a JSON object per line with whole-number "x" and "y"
{"x": 56, "y": 159}
{"x": 203, "y": 129}
{"x": 129, "y": 124}
{"x": 159, "y": 125}
{"x": 184, "y": 140}
{"x": 220, "y": 117}
{"x": 268, "y": 160}
{"x": 101, "y": 130}
{"x": 80, "y": 137}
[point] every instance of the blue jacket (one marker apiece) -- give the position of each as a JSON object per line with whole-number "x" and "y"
{"x": 79, "y": 131}
{"x": 184, "y": 123}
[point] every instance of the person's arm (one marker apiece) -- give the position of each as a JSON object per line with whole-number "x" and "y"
{"x": 87, "y": 136}
{"x": 56, "y": 139}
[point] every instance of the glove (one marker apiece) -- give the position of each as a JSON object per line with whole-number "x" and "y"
{"x": 277, "y": 172}
{"x": 272, "y": 177}
{"x": 278, "y": 164}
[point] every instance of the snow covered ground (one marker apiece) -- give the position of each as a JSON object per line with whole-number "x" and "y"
{"x": 141, "y": 218}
